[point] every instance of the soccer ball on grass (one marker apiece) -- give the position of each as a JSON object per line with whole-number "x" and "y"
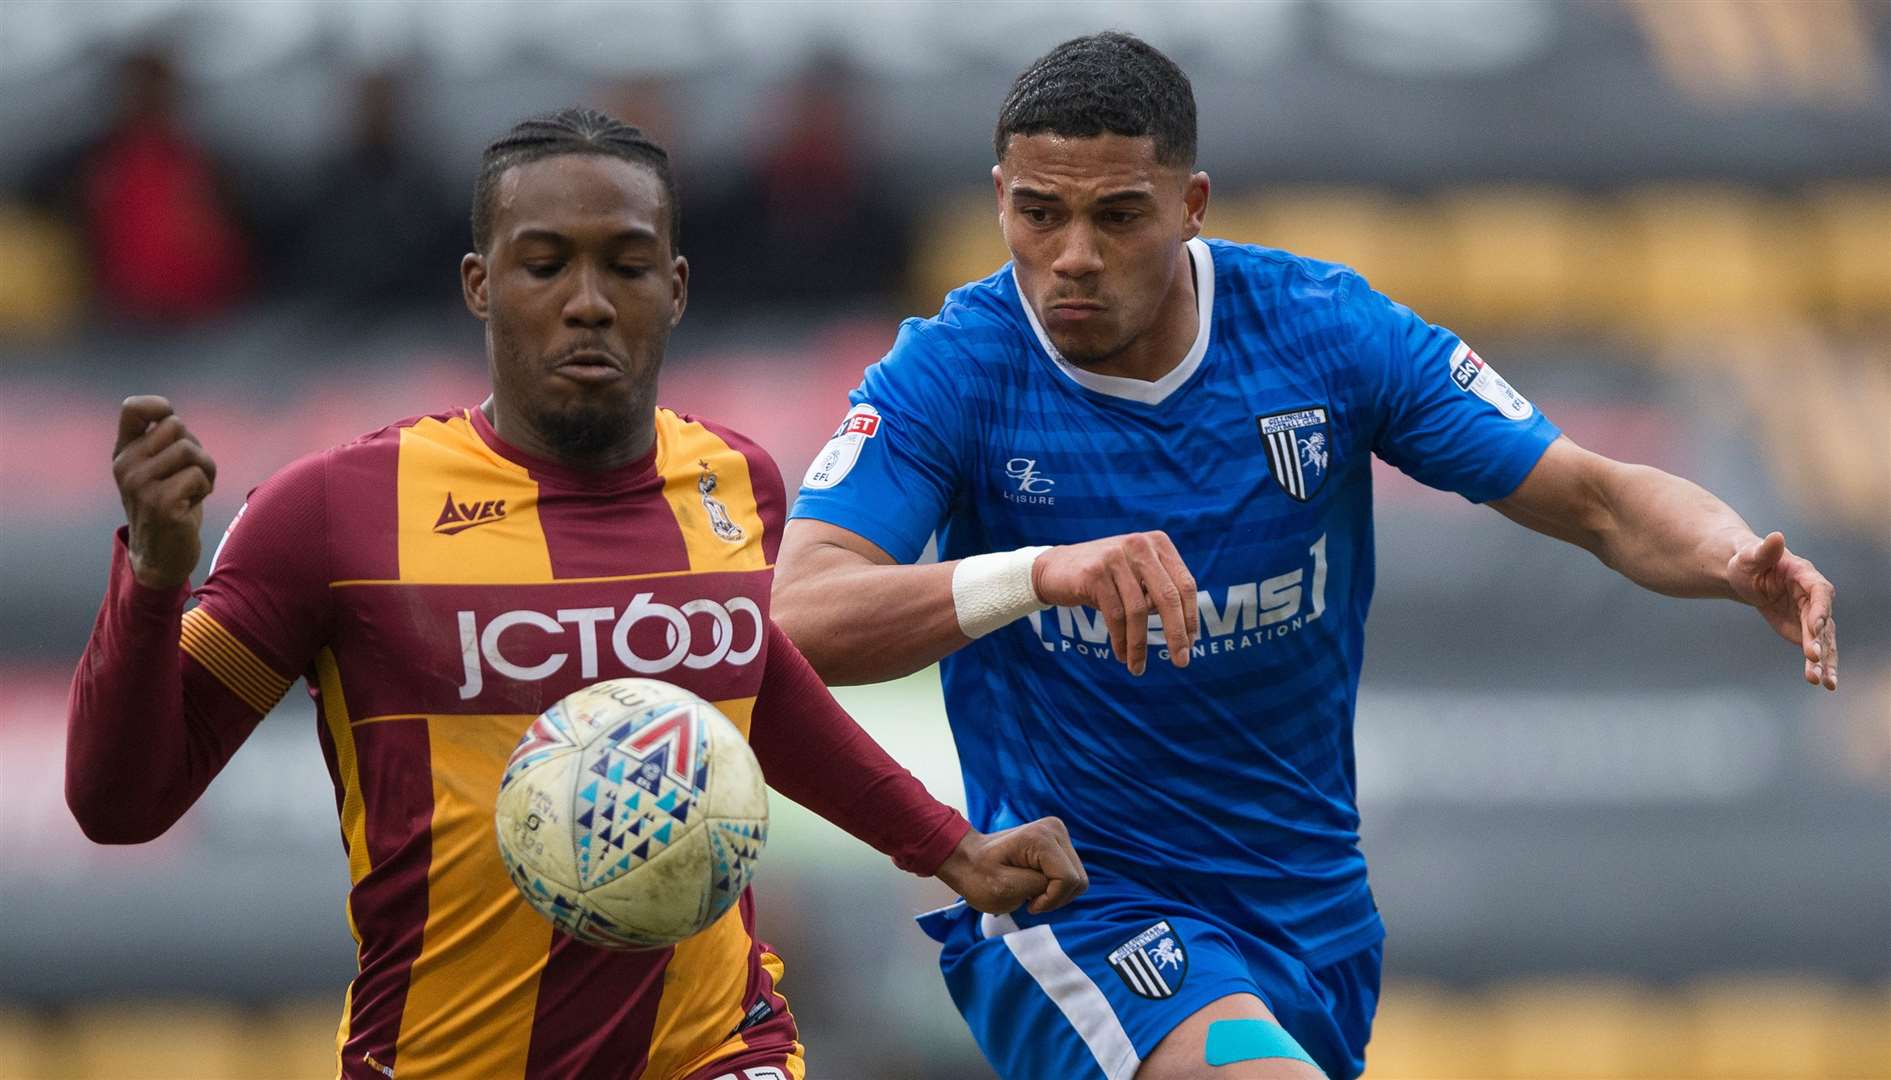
{"x": 632, "y": 814}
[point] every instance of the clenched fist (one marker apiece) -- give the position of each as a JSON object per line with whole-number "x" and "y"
{"x": 1034, "y": 862}
{"x": 163, "y": 476}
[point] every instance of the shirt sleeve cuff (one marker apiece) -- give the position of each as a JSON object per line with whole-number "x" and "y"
{"x": 930, "y": 854}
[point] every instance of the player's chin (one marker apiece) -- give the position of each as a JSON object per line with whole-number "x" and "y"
{"x": 1087, "y": 347}
{"x": 586, "y": 425}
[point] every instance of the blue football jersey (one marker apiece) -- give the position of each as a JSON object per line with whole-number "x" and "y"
{"x": 1229, "y": 784}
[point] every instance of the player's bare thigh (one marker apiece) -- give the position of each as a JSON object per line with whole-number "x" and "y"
{"x": 1182, "y": 1053}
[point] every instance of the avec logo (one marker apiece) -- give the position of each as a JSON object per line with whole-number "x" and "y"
{"x": 457, "y": 517}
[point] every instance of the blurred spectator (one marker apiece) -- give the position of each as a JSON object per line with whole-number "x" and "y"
{"x": 809, "y": 219}
{"x": 379, "y": 232}
{"x": 166, "y": 244}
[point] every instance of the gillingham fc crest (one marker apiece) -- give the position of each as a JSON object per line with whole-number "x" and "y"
{"x": 1152, "y": 964}
{"x": 1299, "y": 449}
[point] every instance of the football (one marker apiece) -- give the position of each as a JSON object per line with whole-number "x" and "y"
{"x": 632, "y": 814}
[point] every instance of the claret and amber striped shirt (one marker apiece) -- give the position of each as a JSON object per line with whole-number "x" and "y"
{"x": 439, "y": 588}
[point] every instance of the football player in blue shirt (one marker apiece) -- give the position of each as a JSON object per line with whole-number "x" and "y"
{"x": 1132, "y": 438}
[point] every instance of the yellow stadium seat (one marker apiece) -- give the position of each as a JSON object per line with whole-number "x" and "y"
{"x": 1424, "y": 1032}
{"x": 1395, "y": 243}
{"x": 299, "y": 1037}
{"x": 1585, "y": 1030}
{"x": 1852, "y": 232}
{"x": 28, "y": 1044}
{"x": 1534, "y": 259}
{"x": 1863, "y": 1036}
{"x": 958, "y": 244}
{"x": 160, "y": 1041}
{"x": 1712, "y": 258}
{"x": 1781, "y": 1028}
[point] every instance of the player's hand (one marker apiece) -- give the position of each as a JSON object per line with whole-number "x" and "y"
{"x": 163, "y": 476}
{"x": 1125, "y": 577}
{"x": 1034, "y": 862}
{"x": 1794, "y": 599}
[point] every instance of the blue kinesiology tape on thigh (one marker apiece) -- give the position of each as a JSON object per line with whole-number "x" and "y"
{"x": 1230, "y": 1041}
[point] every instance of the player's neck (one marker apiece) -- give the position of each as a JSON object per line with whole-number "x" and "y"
{"x": 1168, "y": 340}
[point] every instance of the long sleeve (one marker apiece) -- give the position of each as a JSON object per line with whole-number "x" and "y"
{"x": 163, "y": 697}
{"x": 813, "y": 752}
{"x": 146, "y": 728}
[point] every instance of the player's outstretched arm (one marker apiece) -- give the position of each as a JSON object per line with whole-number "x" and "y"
{"x": 814, "y": 753}
{"x": 137, "y": 754}
{"x": 860, "y": 617}
{"x": 1675, "y": 537}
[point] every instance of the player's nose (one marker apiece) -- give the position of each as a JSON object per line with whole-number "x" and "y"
{"x": 1079, "y": 255}
{"x": 588, "y": 306}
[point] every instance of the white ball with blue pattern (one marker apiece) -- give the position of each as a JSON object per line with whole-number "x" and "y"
{"x": 632, "y": 814}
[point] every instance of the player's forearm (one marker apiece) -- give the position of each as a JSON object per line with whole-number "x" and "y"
{"x": 134, "y": 762}
{"x": 862, "y": 622}
{"x": 814, "y": 753}
{"x": 1665, "y": 533}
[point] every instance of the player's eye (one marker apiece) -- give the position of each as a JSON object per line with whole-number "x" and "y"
{"x": 1036, "y": 215}
{"x": 1119, "y": 217}
{"x": 627, "y": 271}
{"x": 544, "y": 269}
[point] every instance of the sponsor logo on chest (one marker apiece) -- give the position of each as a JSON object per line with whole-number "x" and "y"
{"x": 457, "y": 517}
{"x": 515, "y": 648}
{"x": 1233, "y": 617}
{"x": 1026, "y": 484}
{"x": 644, "y": 637}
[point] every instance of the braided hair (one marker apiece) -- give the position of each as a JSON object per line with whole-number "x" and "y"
{"x": 568, "y": 131}
{"x": 1109, "y": 82}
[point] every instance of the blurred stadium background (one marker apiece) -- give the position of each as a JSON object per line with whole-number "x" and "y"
{"x": 1613, "y": 836}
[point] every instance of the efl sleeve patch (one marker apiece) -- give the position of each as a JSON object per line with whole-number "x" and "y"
{"x": 837, "y": 458}
{"x": 1475, "y": 376}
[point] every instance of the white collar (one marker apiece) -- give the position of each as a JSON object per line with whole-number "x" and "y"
{"x": 1202, "y": 262}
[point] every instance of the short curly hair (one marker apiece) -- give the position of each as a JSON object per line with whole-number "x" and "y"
{"x": 1109, "y": 82}
{"x": 569, "y": 131}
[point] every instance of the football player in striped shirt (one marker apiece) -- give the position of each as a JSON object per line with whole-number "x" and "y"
{"x": 1166, "y": 441}
{"x": 440, "y": 582}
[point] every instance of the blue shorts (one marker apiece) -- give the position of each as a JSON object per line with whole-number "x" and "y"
{"x": 1089, "y": 990}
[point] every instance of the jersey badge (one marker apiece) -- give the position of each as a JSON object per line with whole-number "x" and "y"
{"x": 1474, "y": 376}
{"x": 719, "y": 521}
{"x": 1299, "y": 449}
{"x": 1152, "y": 964}
{"x": 837, "y": 458}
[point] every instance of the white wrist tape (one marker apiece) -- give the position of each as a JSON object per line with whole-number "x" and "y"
{"x": 990, "y": 591}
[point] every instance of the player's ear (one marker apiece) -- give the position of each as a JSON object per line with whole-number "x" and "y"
{"x": 473, "y": 283}
{"x": 998, "y": 188}
{"x": 1195, "y": 205}
{"x": 679, "y": 289}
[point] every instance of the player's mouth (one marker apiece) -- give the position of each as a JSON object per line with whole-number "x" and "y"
{"x": 590, "y": 366}
{"x": 1073, "y": 311}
